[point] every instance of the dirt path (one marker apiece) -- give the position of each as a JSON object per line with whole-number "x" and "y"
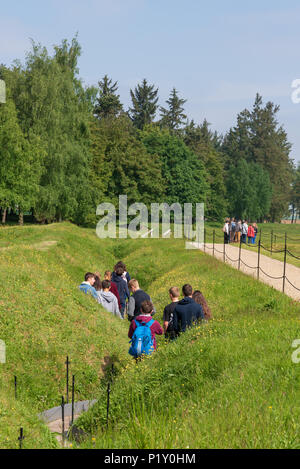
{"x": 269, "y": 266}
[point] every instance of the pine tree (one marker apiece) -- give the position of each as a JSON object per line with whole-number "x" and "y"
{"x": 144, "y": 101}
{"x": 108, "y": 102}
{"x": 258, "y": 138}
{"x": 206, "y": 145}
{"x": 173, "y": 117}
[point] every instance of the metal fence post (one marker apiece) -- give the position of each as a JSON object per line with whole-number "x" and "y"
{"x": 204, "y": 238}
{"x": 16, "y": 394}
{"x": 240, "y": 251}
{"x": 63, "y": 417}
{"x": 214, "y": 234}
{"x": 258, "y": 260}
{"x": 224, "y": 253}
{"x": 21, "y": 438}
{"x": 73, "y": 394}
{"x": 67, "y": 363}
{"x": 107, "y": 408}
{"x": 284, "y": 264}
{"x": 271, "y": 242}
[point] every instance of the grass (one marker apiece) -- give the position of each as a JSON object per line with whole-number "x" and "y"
{"x": 229, "y": 383}
{"x": 44, "y": 318}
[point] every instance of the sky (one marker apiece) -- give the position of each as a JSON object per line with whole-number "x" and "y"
{"x": 217, "y": 54}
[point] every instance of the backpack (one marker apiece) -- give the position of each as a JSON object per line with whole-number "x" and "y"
{"x": 142, "y": 342}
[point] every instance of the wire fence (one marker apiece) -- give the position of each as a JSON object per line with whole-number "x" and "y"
{"x": 260, "y": 247}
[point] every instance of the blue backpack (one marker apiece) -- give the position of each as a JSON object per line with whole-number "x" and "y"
{"x": 141, "y": 342}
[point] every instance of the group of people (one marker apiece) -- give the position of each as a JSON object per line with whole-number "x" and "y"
{"x": 120, "y": 295}
{"x": 236, "y": 231}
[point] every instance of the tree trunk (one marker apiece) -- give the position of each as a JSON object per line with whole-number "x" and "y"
{"x": 21, "y": 218}
{"x": 4, "y": 210}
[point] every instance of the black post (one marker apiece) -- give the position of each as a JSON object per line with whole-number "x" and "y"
{"x": 67, "y": 363}
{"x": 21, "y": 438}
{"x": 284, "y": 264}
{"x": 240, "y": 252}
{"x": 204, "y": 238}
{"x": 214, "y": 234}
{"x": 16, "y": 395}
{"x": 107, "y": 409}
{"x": 73, "y": 394}
{"x": 271, "y": 242}
{"x": 258, "y": 260}
{"x": 63, "y": 417}
{"x": 224, "y": 254}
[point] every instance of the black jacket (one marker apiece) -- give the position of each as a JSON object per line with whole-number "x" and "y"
{"x": 186, "y": 313}
{"x": 122, "y": 288}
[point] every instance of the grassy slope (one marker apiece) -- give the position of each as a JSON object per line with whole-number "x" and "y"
{"x": 44, "y": 317}
{"x": 213, "y": 387}
{"x": 230, "y": 383}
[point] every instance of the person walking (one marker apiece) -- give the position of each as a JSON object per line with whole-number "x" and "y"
{"x": 88, "y": 285}
{"x": 250, "y": 234}
{"x": 187, "y": 312}
{"x": 113, "y": 286}
{"x": 232, "y": 228}
{"x": 199, "y": 298}
{"x": 226, "y": 232}
{"x": 137, "y": 297}
{"x": 121, "y": 286}
{"x": 168, "y": 313}
{"x": 143, "y": 330}
{"x": 244, "y": 231}
{"x": 238, "y": 231}
{"x": 108, "y": 299}
{"x": 255, "y": 233}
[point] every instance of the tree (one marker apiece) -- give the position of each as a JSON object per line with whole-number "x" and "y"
{"x": 295, "y": 193}
{"x": 144, "y": 101}
{"x": 20, "y": 163}
{"x": 206, "y": 145}
{"x": 108, "y": 102}
{"x": 249, "y": 191}
{"x": 258, "y": 138}
{"x": 184, "y": 175}
{"x": 173, "y": 117}
{"x": 53, "y": 107}
{"x": 121, "y": 165}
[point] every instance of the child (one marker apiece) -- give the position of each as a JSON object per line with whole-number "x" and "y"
{"x": 125, "y": 275}
{"x": 88, "y": 285}
{"x": 199, "y": 298}
{"x": 121, "y": 286}
{"x": 113, "y": 286}
{"x": 108, "y": 299}
{"x": 168, "y": 313}
{"x": 141, "y": 321}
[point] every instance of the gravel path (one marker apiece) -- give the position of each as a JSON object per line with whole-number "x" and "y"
{"x": 269, "y": 266}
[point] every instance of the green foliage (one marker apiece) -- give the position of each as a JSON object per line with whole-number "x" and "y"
{"x": 249, "y": 190}
{"x": 183, "y": 173}
{"x": 173, "y": 117}
{"x": 226, "y": 384}
{"x": 20, "y": 161}
{"x": 144, "y": 101}
{"x": 121, "y": 165}
{"x": 258, "y": 138}
{"x": 108, "y": 102}
{"x": 206, "y": 145}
